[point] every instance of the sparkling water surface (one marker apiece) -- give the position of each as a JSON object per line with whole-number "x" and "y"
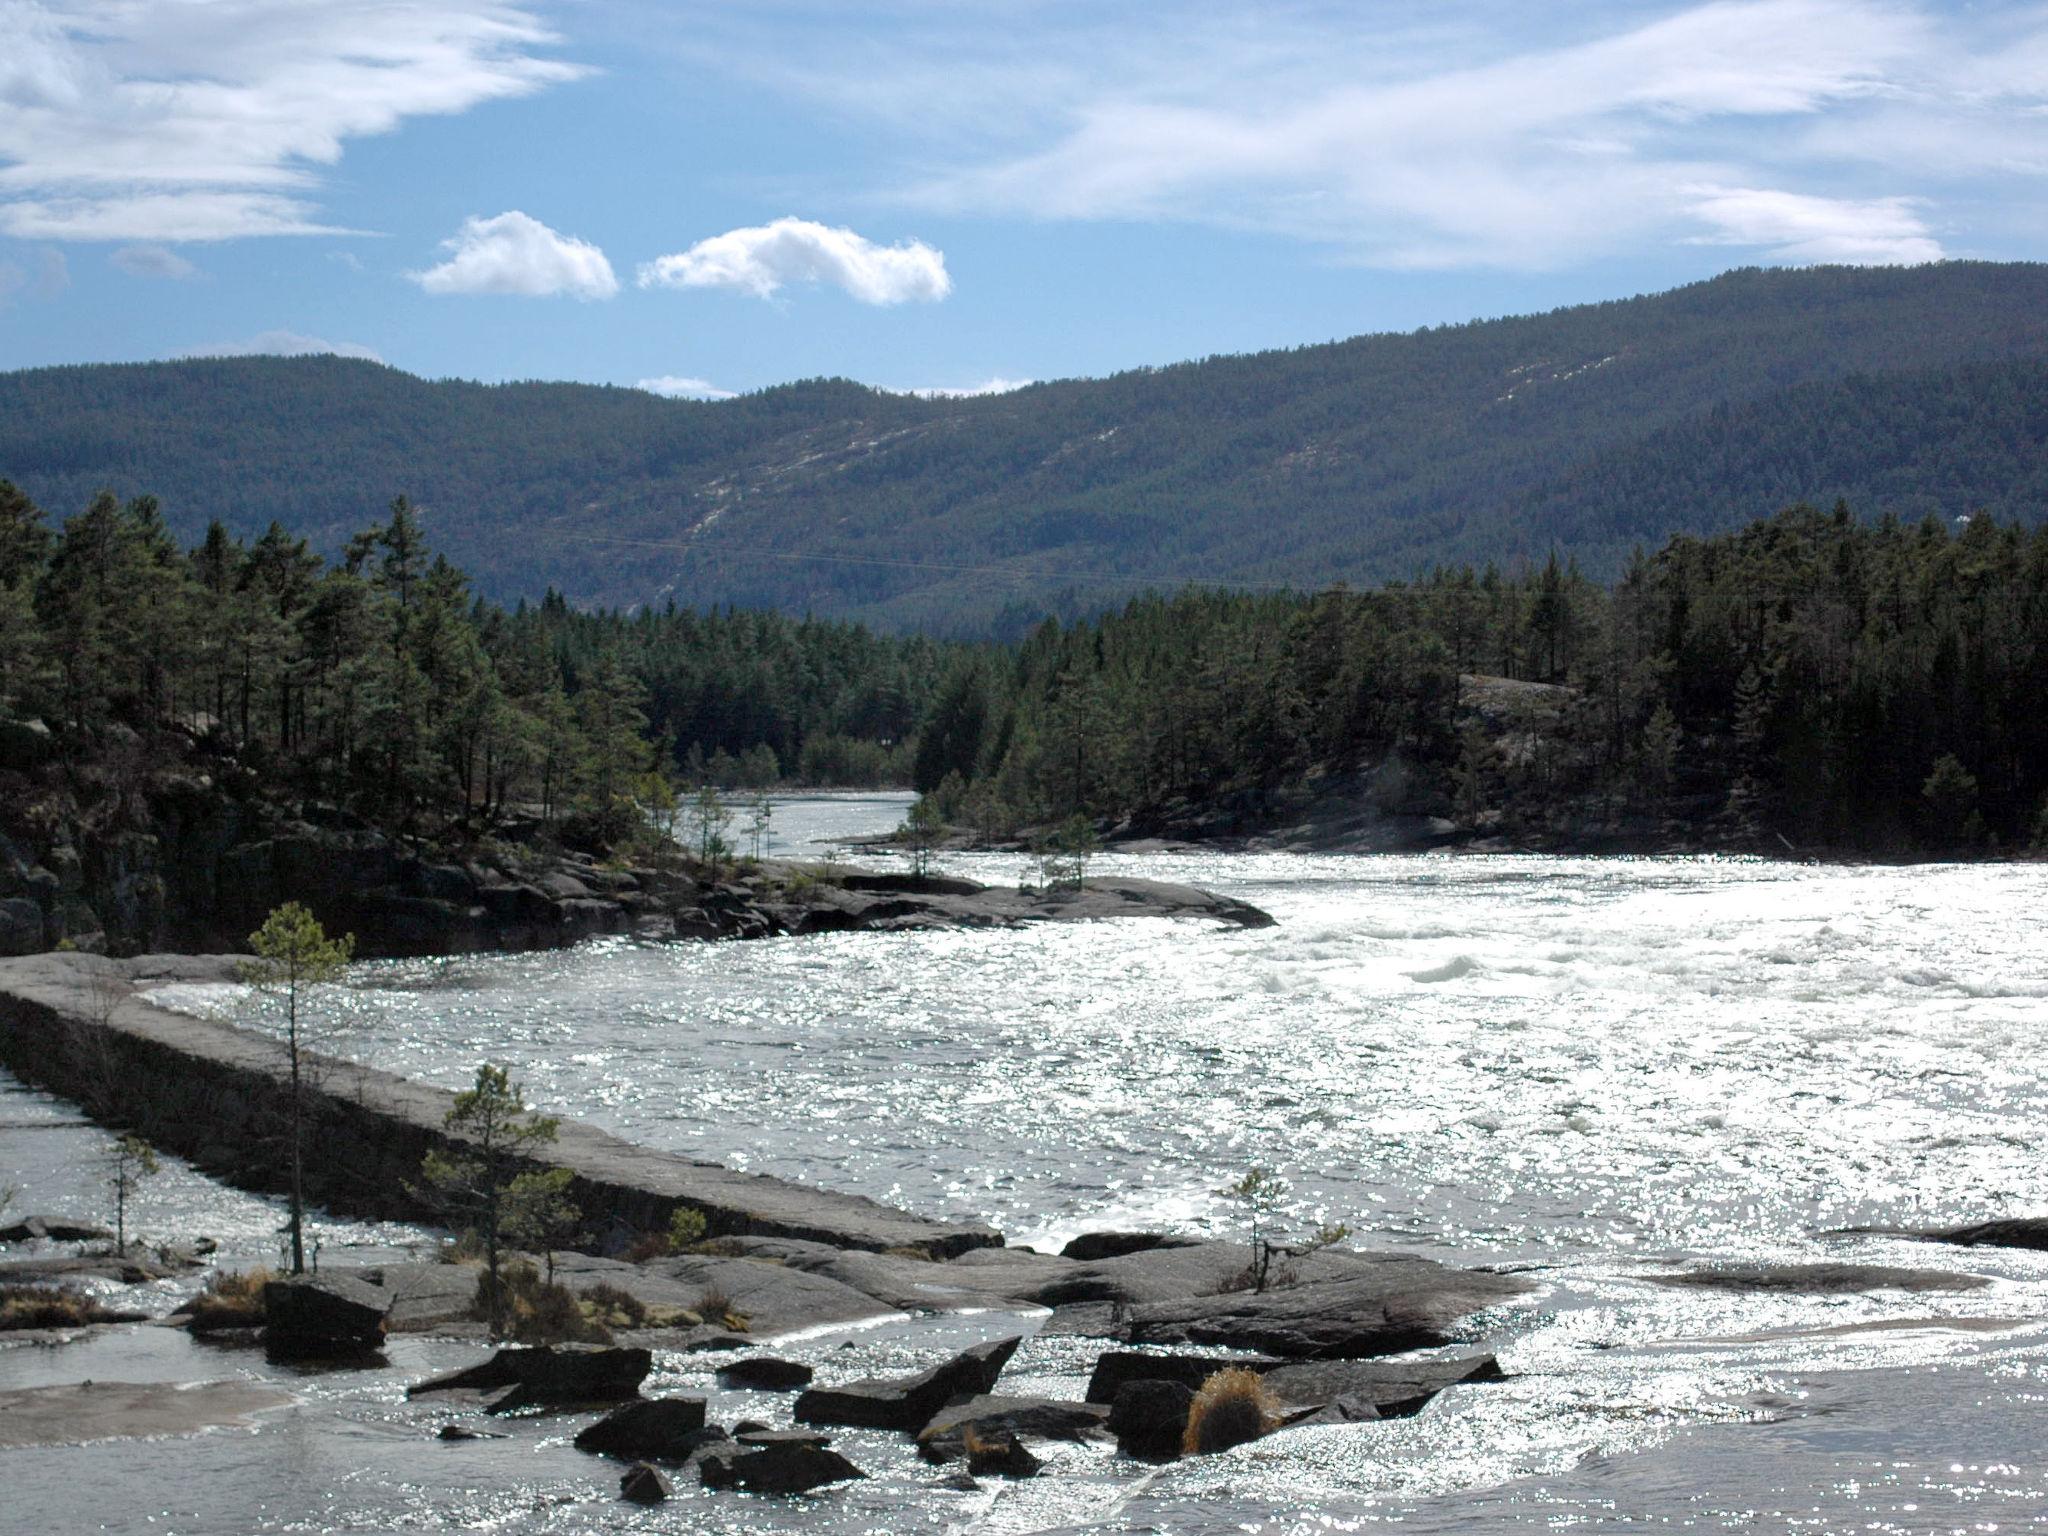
{"x": 1591, "y": 1070}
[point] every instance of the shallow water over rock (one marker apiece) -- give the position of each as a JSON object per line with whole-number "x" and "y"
{"x": 1593, "y": 1072}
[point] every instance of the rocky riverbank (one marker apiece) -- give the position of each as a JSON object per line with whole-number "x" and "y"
{"x": 199, "y": 869}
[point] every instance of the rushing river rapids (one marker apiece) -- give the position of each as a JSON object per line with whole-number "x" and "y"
{"x": 1594, "y": 1071}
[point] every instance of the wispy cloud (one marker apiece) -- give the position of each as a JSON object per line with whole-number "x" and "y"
{"x": 515, "y": 254}
{"x": 1798, "y": 130}
{"x": 283, "y": 344}
{"x": 152, "y": 261}
{"x": 44, "y": 276}
{"x": 676, "y": 387}
{"x": 762, "y": 259}
{"x": 172, "y": 120}
{"x": 995, "y": 386}
{"x": 1792, "y": 227}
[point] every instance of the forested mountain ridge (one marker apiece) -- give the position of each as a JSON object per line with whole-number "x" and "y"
{"x": 1590, "y": 429}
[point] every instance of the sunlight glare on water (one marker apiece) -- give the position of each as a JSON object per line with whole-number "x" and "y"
{"x": 1594, "y": 1071}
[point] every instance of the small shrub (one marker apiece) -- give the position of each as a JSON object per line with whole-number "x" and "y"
{"x": 40, "y": 1306}
{"x": 232, "y": 1299}
{"x": 686, "y": 1228}
{"x": 535, "y": 1312}
{"x": 1232, "y": 1407}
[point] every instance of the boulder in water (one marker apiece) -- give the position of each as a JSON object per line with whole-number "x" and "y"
{"x": 1150, "y": 1419}
{"x": 784, "y": 1466}
{"x": 561, "y": 1373}
{"x": 323, "y": 1315}
{"x": 643, "y": 1484}
{"x": 765, "y": 1373}
{"x": 653, "y": 1429}
{"x": 907, "y": 1402}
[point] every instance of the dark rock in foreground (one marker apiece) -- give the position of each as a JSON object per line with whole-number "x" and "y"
{"x": 2004, "y": 1232}
{"x": 656, "y": 1429}
{"x": 644, "y": 1485}
{"x": 907, "y": 1402}
{"x": 1150, "y": 1419}
{"x": 787, "y": 1466}
{"x": 565, "y": 1373}
{"x": 765, "y": 1373}
{"x": 1394, "y": 1388}
{"x": 1090, "y": 1246}
{"x": 1395, "y": 1304}
{"x": 945, "y": 1437}
{"x": 1000, "y": 1454}
{"x": 323, "y": 1314}
{"x": 1820, "y": 1279}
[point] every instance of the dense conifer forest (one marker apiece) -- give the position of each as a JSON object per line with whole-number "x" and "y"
{"x": 381, "y": 683}
{"x": 1590, "y": 430}
{"x": 1811, "y": 681}
{"x": 1807, "y": 682}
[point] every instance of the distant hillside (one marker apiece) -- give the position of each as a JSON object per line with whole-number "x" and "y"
{"x": 1591, "y": 429}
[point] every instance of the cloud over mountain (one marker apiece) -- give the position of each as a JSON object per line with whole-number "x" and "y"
{"x": 762, "y": 259}
{"x": 516, "y": 254}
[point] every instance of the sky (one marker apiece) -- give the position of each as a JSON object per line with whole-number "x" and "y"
{"x": 702, "y": 197}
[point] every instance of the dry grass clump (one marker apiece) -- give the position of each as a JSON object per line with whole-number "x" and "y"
{"x": 1232, "y": 1407}
{"x": 611, "y": 1307}
{"x": 232, "y": 1299}
{"x": 44, "y": 1306}
{"x": 717, "y": 1307}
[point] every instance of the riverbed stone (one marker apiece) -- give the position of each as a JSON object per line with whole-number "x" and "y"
{"x": 644, "y": 1484}
{"x": 323, "y": 1314}
{"x": 781, "y": 1467}
{"x": 55, "y": 1229}
{"x": 1396, "y": 1303}
{"x": 765, "y": 1373}
{"x": 944, "y": 1438}
{"x": 551, "y": 1373}
{"x": 653, "y": 1429}
{"x": 1150, "y": 1419}
{"x": 1091, "y": 1246}
{"x": 907, "y": 1402}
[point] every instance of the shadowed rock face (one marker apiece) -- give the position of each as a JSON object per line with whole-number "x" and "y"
{"x": 907, "y": 1402}
{"x": 1821, "y": 1279}
{"x": 1394, "y": 1304}
{"x": 319, "y": 1314}
{"x": 1150, "y": 1418}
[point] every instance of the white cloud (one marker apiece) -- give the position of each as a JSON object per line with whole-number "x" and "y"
{"x": 154, "y": 120}
{"x": 762, "y": 258}
{"x": 152, "y": 261}
{"x": 676, "y": 387}
{"x": 994, "y": 386}
{"x": 284, "y": 344}
{"x": 1883, "y": 231}
{"x": 1484, "y": 134}
{"x": 516, "y": 254}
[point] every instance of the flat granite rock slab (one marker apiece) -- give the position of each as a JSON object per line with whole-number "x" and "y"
{"x": 119, "y": 1410}
{"x": 1395, "y": 1304}
{"x": 773, "y": 1298}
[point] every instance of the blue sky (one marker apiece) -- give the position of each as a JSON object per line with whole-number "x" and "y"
{"x": 934, "y": 194}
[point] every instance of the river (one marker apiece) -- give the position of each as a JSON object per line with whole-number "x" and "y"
{"x": 1593, "y": 1070}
